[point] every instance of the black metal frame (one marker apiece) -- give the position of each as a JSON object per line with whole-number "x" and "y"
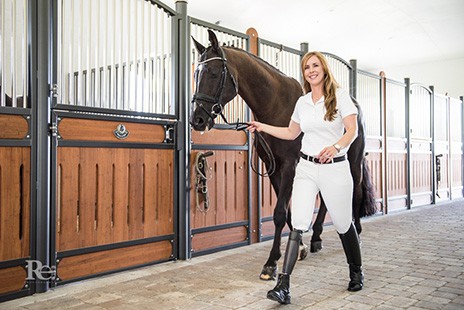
{"x": 169, "y": 121}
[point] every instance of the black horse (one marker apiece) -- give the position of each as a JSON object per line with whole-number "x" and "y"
{"x": 224, "y": 72}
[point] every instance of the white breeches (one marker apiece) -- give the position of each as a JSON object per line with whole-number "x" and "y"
{"x": 335, "y": 183}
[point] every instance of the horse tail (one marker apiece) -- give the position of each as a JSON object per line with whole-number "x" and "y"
{"x": 368, "y": 205}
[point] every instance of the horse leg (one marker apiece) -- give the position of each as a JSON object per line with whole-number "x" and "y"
{"x": 316, "y": 241}
{"x": 269, "y": 271}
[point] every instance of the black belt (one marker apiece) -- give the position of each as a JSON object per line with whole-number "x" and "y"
{"x": 316, "y": 161}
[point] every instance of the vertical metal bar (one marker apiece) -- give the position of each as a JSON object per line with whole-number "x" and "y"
{"x": 183, "y": 143}
{"x": 433, "y": 145}
{"x": 462, "y": 144}
{"x": 24, "y": 62}
{"x": 46, "y": 67}
{"x": 353, "y": 78}
{"x": 384, "y": 144}
{"x": 408, "y": 142}
{"x": 13, "y": 54}
{"x": 2, "y": 54}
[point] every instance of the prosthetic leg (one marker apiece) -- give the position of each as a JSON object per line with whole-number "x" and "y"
{"x": 281, "y": 292}
{"x": 350, "y": 242}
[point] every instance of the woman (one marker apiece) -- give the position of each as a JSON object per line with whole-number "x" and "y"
{"x": 327, "y": 116}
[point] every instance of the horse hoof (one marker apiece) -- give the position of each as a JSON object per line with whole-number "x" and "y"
{"x": 316, "y": 246}
{"x": 268, "y": 273}
{"x": 303, "y": 251}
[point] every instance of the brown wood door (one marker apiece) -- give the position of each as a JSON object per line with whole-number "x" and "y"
{"x": 15, "y": 203}
{"x": 114, "y": 202}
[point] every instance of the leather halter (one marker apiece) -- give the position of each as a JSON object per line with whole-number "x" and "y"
{"x": 217, "y": 108}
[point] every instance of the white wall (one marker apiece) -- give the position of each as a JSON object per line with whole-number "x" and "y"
{"x": 446, "y": 76}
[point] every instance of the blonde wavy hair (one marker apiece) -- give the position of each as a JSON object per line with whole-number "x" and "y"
{"x": 330, "y": 85}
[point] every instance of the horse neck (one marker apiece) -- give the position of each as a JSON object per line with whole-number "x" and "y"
{"x": 265, "y": 90}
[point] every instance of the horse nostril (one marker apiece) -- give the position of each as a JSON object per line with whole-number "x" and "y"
{"x": 199, "y": 121}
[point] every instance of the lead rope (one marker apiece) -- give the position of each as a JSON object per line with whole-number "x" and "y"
{"x": 258, "y": 138}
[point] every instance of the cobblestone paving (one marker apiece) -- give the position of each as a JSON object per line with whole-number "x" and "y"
{"x": 412, "y": 260}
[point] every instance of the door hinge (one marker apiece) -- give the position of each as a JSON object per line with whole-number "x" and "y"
{"x": 54, "y": 90}
{"x": 54, "y": 129}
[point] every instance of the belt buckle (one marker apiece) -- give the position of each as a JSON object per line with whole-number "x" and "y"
{"x": 314, "y": 160}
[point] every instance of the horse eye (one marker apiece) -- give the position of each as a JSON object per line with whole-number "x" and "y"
{"x": 214, "y": 73}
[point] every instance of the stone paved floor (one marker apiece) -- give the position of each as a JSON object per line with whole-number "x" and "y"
{"x": 412, "y": 260}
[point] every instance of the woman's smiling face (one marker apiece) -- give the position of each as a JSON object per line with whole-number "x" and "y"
{"x": 314, "y": 73}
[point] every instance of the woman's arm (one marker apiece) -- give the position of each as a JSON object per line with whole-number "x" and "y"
{"x": 351, "y": 132}
{"x": 286, "y": 133}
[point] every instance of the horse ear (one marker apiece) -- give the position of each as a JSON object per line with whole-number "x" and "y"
{"x": 200, "y": 48}
{"x": 213, "y": 39}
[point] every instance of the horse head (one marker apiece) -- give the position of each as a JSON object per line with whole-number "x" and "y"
{"x": 215, "y": 85}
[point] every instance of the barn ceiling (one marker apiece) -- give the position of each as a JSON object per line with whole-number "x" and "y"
{"x": 378, "y": 33}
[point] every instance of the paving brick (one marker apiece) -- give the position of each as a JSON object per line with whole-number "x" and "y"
{"x": 409, "y": 263}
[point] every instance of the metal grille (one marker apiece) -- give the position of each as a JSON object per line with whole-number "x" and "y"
{"x": 456, "y": 120}
{"x": 115, "y": 54}
{"x": 441, "y": 117}
{"x": 340, "y": 70}
{"x": 396, "y": 109}
{"x": 368, "y": 96}
{"x": 236, "y": 109}
{"x": 286, "y": 60}
{"x": 420, "y": 112}
{"x": 14, "y": 54}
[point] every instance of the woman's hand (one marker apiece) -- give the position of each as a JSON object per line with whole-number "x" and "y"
{"x": 285, "y": 133}
{"x": 254, "y": 126}
{"x": 327, "y": 154}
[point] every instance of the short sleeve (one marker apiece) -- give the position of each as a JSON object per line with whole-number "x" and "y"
{"x": 344, "y": 103}
{"x": 296, "y": 115}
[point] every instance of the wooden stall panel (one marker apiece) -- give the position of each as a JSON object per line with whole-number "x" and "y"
{"x": 13, "y": 279}
{"x": 13, "y": 127}
{"x": 220, "y": 137}
{"x": 442, "y": 183}
{"x": 227, "y": 187}
{"x": 14, "y": 202}
{"x": 456, "y": 176}
{"x": 421, "y": 174}
{"x": 113, "y": 195}
{"x": 103, "y": 130}
{"x": 79, "y": 266}
{"x": 218, "y": 238}
{"x": 396, "y": 174}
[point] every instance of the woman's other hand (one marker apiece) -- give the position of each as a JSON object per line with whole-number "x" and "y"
{"x": 254, "y": 126}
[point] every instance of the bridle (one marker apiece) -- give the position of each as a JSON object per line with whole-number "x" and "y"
{"x": 217, "y": 109}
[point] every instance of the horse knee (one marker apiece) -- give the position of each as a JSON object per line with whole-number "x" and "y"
{"x": 279, "y": 219}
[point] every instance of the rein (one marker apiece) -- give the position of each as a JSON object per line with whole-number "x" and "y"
{"x": 217, "y": 110}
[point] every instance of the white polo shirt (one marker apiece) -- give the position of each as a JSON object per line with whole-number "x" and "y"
{"x": 319, "y": 133}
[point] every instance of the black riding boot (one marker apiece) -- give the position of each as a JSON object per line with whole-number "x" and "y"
{"x": 281, "y": 292}
{"x": 350, "y": 241}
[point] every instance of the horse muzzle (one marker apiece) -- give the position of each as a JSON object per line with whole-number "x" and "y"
{"x": 200, "y": 122}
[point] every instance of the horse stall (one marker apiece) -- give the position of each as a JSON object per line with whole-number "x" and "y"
{"x": 456, "y": 140}
{"x": 395, "y": 147}
{"x": 442, "y": 154}
{"x": 420, "y": 143}
{"x": 16, "y": 151}
{"x": 101, "y": 172}
{"x": 113, "y": 161}
{"x": 221, "y": 215}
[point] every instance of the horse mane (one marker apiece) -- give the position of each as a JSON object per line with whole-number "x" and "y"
{"x": 263, "y": 62}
